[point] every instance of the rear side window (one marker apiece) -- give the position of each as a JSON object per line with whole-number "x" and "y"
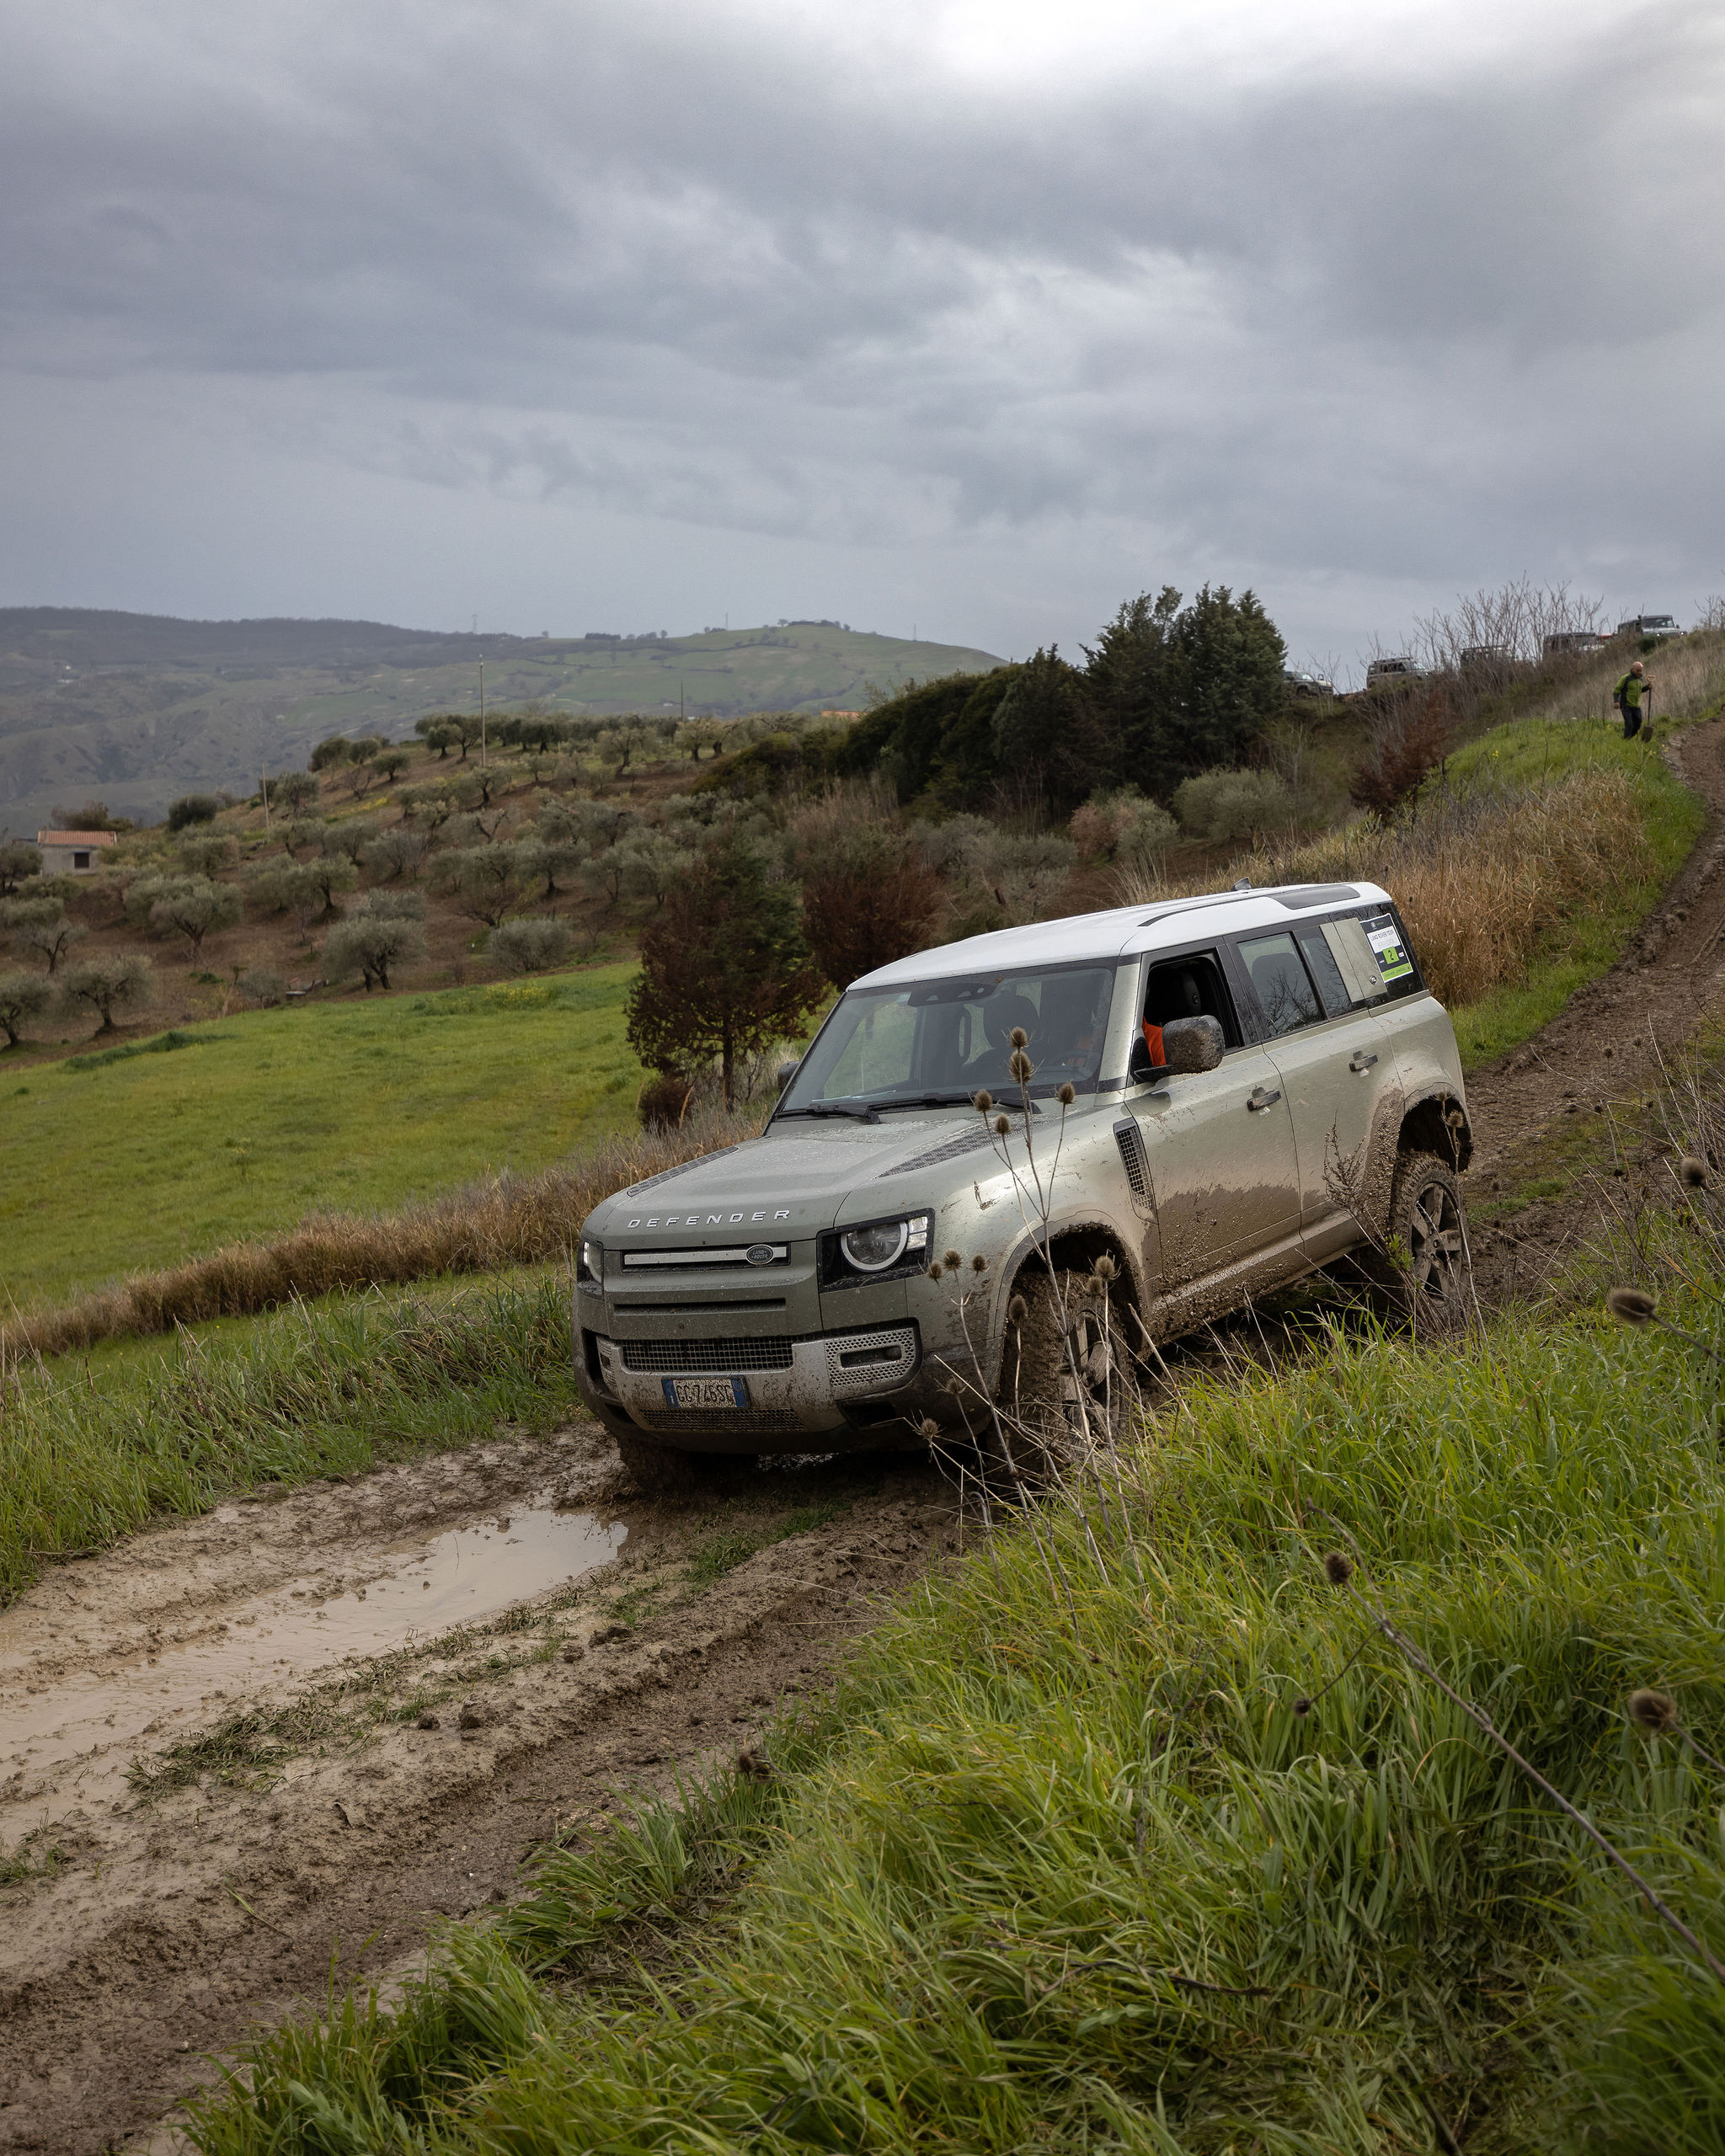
{"x": 1280, "y": 982}
{"x": 1392, "y": 952}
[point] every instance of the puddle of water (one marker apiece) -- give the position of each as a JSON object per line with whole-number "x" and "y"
{"x": 75, "y": 1739}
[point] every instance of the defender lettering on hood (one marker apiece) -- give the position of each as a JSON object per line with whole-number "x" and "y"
{"x": 708, "y": 1220}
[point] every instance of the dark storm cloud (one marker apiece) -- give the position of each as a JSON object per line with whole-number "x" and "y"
{"x": 721, "y": 270}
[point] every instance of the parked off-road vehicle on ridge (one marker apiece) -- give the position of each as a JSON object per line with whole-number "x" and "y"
{"x": 1223, "y": 1093}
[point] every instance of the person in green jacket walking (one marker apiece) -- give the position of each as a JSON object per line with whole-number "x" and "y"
{"x": 1628, "y": 695}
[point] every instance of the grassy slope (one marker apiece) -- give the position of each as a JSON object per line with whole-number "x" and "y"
{"x": 97, "y": 1450}
{"x": 142, "y": 1162}
{"x": 1524, "y": 754}
{"x": 1062, "y": 1866}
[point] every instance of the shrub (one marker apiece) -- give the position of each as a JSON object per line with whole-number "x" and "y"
{"x": 263, "y": 986}
{"x": 869, "y": 898}
{"x": 1409, "y": 739}
{"x": 22, "y": 996}
{"x": 193, "y": 809}
{"x": 529, "y": 947}
{"x": 121, "y": 983}
{"x": 1220, "y": 805}
{"x": 664, "y": 1101}
{"x": 19, "y": 860}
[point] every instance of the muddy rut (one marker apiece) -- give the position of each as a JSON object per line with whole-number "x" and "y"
{"x": 236, "y": 1748}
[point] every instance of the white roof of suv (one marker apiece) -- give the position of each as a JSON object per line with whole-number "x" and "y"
{"x": 1124, "y": 930}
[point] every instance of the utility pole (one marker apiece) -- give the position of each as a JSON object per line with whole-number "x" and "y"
{"x": 482, "y": 714}
{"x": 681, "y": 714}
{"x": 263, "y": 788}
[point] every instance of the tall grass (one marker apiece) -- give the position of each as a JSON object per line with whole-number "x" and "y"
{"x": 1134, "y": 1835}
{"x": 330, "y": 1391}
{"x": 486, "y": 1226}
{"x": 1540, "y": 845}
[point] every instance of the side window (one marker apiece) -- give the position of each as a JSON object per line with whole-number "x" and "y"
{"x": 1190, "y": 986}
{"x": 1278, "y": 978}
{"x": 1325, "y": 974}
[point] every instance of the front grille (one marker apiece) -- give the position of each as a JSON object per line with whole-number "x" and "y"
{"x": 720, "y": 1420}
{"x": 689, "y": 1356}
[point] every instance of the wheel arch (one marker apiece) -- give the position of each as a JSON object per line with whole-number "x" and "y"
{"x": 1438, "y": 1124}
{"x": 1075, "y": 1245}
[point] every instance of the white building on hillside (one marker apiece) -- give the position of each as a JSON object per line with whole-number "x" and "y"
{"x": 72, "y": 853}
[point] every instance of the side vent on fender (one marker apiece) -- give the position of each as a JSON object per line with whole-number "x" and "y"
{"x": 1130, "y": 1140}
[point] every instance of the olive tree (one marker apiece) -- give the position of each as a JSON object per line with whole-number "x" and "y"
{"x": 398, "y": 852}
{"x": 22, "y": 996}
{"x": 484, "y": 881}
{"x": 349, "y": 838}
{"x": 121, "y": 982}
{"x": 187, "y": 906}
{"x": 390, "y": 762}
{"x": 193, "y": 809}
{"x": 529, "y": 947}
{"x": 381, "y": 930}
{"x": 293, "y": 790}
{"x": 203, "y": 856}
{"x": 39, "y": 928}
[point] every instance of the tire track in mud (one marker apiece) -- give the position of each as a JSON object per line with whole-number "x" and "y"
{"x": 175, "y": 1922}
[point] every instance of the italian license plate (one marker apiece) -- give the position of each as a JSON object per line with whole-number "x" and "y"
{"x": 705, "y": 1392}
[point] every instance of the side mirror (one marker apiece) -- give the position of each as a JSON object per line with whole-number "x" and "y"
{"x": 1192, "y": 1044}
{"x": 787, "y": 1072}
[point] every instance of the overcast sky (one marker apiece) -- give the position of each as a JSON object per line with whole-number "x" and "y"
{"x": 630, "y": 314}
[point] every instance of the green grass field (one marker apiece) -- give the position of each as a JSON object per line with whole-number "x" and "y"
{"x": 148, "y": 1158}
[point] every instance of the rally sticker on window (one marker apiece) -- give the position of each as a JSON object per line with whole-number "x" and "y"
{"x": 1388, "y": 948}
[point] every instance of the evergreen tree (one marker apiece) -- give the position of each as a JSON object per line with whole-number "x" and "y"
{"x": 725, "y": 969}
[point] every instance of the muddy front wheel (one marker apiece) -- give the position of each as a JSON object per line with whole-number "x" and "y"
{"x": 1062, "y": 1388}
{"x": 664, "y": 1471}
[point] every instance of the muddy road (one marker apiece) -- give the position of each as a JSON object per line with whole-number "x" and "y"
{"x": 234, "y": 1747}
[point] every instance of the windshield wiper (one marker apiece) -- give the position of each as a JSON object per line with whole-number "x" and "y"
{"x": 948, "y": 1100}
{"x": 860, "y": 1109}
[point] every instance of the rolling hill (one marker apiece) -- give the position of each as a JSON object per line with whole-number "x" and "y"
{"x": 136, "y": 708}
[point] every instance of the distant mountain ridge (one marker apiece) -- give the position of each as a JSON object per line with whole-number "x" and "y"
{"x": 136, "y": 708}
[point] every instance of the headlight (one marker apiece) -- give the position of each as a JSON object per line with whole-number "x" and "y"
{"x": 590, "y": 1265}
{"x": 879, "y": 1248}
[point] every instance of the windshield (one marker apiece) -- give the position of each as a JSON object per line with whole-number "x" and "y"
{"x": 902, "y": 1045}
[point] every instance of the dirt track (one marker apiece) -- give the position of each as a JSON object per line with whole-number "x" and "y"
{"x": 172, "y": 1921}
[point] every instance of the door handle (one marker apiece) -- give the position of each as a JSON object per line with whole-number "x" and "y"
{"x": 1362, "y": 1059}
{"x": 1265, "y": 1096}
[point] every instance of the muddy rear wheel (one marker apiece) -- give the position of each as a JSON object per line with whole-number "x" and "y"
{"x": 1063, "y": 1386}
{"x": 1428, "y": 1230}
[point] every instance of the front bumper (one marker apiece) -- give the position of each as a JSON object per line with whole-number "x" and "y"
{"x": 816, "y": 1394}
